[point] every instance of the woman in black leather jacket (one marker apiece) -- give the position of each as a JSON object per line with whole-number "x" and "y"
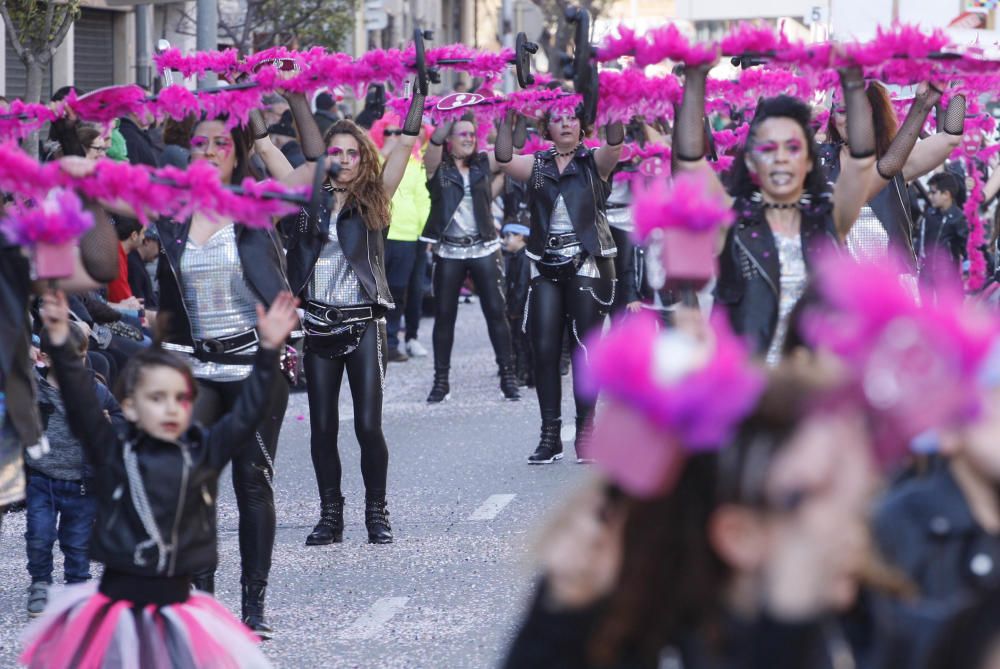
{"x": 212, "y": 273}
{"x": 156, "y": 486}
{"x": 336, "y": 262}
{"x": 462, "y": 185}
{"x": 573, "y": 273}
{"x": 784, "y": 212}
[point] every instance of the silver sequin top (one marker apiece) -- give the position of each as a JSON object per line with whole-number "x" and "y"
{"x": 620, "y": 206}
{"x": 793, "y": 284}
{"x": 218, "y": 299}
{"x": 867, "y": 239}
{"x": 463, "y": 224}
{"x": 560, "y": 224}
{"x": 334, "y": 281}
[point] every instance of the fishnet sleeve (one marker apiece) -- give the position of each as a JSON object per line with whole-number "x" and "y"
{"x": 614, "y": 133}
{"x": 520, "y": 132}
{"x": 954, "y": 116}
{"x": 503, "y": 148}
{"x": 860, "y": 118}
{"x": 310, "y": 138}
{"x": 99, "y": 247}
{"x": 414, "y": 115}
{"x": 689, "y": 135}
{"x": 895, "y": 157}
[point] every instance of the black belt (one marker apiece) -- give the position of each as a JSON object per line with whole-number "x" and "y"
{"x": 561, "y": 240}
{"x": 342, "y": 315}
{"x": 221, "y": 350}
{"x": 468, "y": 240}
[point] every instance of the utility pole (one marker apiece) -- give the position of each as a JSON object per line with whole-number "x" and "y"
{"x": 507, "y": 38}
{"x": 207, "y": 37}
{"x": 143, "y": 45}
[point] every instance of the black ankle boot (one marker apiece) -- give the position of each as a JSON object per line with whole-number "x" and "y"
{"x": 253, "y": 610}
{"x": 508, "y": 383}
{"x": 581, "y": 443}
{"x": 377, "y": 521}
{"x": 550, "y": 446}
{"x": 440, "y": 391}
{"x": 330, "y": 528}
{"x": 204, "y": 582}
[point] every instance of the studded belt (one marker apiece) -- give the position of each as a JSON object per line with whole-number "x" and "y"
{"x": 466, "y": 241}
{"x": 561, "y": 240}
{"x": 342, "y": 315}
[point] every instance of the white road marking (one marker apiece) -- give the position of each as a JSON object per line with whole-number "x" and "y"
{"x": 371, "y": 621}
{"x": 493, "y": 505}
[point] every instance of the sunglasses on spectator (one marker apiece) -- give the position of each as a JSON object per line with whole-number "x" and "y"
{"x": 98, "y": 148}
{"x": 393, "y": 132}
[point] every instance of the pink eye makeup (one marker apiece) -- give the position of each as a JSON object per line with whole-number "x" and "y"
{"x": 336, "y": 152}
{"x": 768, "y": 151}
{"x": 463, "y": 135}
{"x": 201, "y": 144}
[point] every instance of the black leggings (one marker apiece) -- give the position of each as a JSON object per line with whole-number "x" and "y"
{"x": 253, "y": 472}
{"x": 581, "y": 303}
{"x": 487, "y": 275}
{"x": 365, "y": 367}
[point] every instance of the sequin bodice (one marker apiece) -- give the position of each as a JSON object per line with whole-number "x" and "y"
{"x": 868, "y": 239}
{"x": 333, "y": 281}
{"x": 793, "y": 284}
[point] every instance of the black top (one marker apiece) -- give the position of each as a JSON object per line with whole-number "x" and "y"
{"x": 181, "y": 479}
{"x": 944, "y": 232}
{"x": 141, "y": 150}
{"x": 585, "y": 195}
{"x": 447, "y": 188}
{"x": 139, "y": 281}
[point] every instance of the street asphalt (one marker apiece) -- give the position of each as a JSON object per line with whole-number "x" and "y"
{"x": 465, "y": 507}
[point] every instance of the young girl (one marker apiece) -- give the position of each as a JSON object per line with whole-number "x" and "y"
{"x": 156, "y": 486}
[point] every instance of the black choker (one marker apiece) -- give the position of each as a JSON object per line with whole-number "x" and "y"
{"x": 781, "y": 205}
{"x": 330, "y": 188}
{"x": 568, "y": 153}
{"x": 803, "y": 202}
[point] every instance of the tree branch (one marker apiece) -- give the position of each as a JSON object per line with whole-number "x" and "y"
{"x": 11, "y": 33}
{"x": 57, "y": 39}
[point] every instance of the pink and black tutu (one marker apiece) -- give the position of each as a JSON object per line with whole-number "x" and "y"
{"x": 85, "y": 629}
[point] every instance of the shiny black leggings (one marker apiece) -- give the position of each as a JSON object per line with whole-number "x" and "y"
{"x": 487, "y": 275}
{"x": 253, "y": 472}
{"x": 581, "y": 303}
{"x": 365, "y": 367}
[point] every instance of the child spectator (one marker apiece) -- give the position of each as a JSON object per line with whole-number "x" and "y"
{"x": 518, "y": 278}
{"x": 58, "y": 502}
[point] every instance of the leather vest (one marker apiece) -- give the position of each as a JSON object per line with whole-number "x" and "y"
{"x": 891, "y": 206}
{"x": 447, "y": 188}
{"x": 260, "y": 254}
{"x": 750, "y": 270}
{"x": 364, "y": 249}
{"x": 585, "y": 195}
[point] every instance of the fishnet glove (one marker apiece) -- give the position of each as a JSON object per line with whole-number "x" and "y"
{"x": 860, "y": 118}
{"x": 258, "y": 128}
{"x": 99, "y": 247}
{"x": 310, "y": 138}
{"x": 954, "y": 116}
{"x": 520, "y": 132}
{"x": 614, "y": 133}
{"x": 503, "y": 148}
{"x": 895, "y": 157}
{"x": 689, "y": 135}
{"x": 414, "y": 115}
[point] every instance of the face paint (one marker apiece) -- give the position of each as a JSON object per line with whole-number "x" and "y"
{"x": 337, "y": 153}
{"x": 201, "y": 144}
{"x": 768, "y": 152}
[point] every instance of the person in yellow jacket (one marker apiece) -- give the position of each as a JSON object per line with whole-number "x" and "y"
{"x": 405, "y": 256}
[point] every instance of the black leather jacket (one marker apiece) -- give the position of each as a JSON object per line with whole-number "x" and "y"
{"x": 364, "y": 249}
{"x": 181, "y": 479}
{"x": 17, "y": 375}
{"x": 447, "y": 190}
{"x": 584, "y": 193}
{"x": 750, "y": 272}
{"x": 260, "y": 254}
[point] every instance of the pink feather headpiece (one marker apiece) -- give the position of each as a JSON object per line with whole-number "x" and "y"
{"x": 57, "y": 219}
{"x": 668, "y": 395}
{"x": 916, "y": 364}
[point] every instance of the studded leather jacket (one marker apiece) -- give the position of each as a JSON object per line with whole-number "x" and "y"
{"x": 364, "y": 249}
{"x": 585, "y": 195}
{"x": 750, "y": 270}
{"x": 178, "y": 482}
{"x": 447, "y": 189}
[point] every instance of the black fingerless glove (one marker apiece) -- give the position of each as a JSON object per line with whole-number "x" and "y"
{"x": 954, "y": 116}
{"x": 689, "y": 136}
{"x": 896, "y": 155}
{"x": 503, "y": 148}
{"x": 614, "y": 133}
{"x": 415, "y": 115}
{"x": 860, "y": 118}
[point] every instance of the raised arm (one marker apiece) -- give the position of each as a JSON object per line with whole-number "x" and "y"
{"x": 689, "y": 131}
{"x": 931, "y": 152}
{"x": 851, "y": 191}
{"x": 275, "y": 161}
{"x": 435, "y": 148}
{"x": 396, "y": 161}
{"x": 516, "y": 167}
{"x": 607, "y": 155}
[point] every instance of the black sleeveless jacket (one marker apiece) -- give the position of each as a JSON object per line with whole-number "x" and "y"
{"x": 585, "y": 195}
{"x": 447, "y": 190}
{"x": 364, "y": 249}
{"x": 260, "y": 254}
{"x": 749, "y": 282}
